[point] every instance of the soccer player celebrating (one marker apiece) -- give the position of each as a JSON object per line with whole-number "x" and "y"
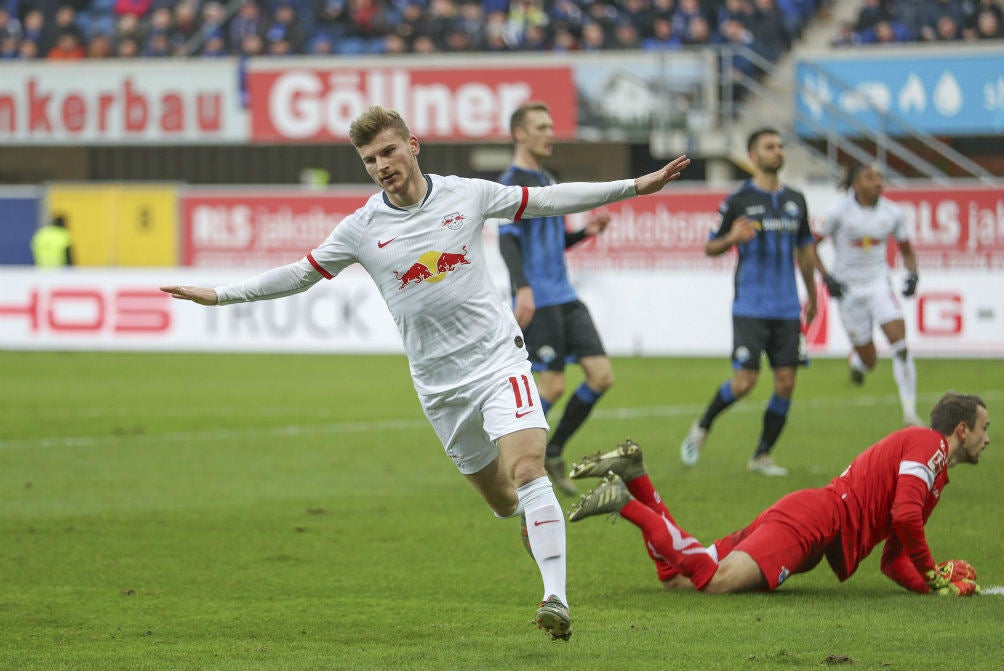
{"x": 768, "y": 223}
{"x": 420, "y": 239}
{"x": 886, "y": 494}
{"x": 859, "y": 226}
{"x": 557, "y": 325}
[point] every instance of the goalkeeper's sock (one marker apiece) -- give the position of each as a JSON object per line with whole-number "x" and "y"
{"x": 904, "y": 371}
{"x": 672, "y": 544}
{"x": 643, "y": 490}
{"x": 722, "y": 399}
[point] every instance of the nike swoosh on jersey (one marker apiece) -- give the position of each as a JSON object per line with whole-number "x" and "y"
{"x": 381, "y": 244}
{"x": 521, "y": 415}
{"x": 537, "y": 523}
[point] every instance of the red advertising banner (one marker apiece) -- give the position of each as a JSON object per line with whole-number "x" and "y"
{"x": 237, "y": 228}
{"x": 949, "y": 228}
{"x": 954, "y": 228}
{"x": 315, "y": 104}
{"x": 658, "y": 232}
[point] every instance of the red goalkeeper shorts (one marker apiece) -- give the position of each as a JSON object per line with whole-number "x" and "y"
{"x": 789, "y": 537}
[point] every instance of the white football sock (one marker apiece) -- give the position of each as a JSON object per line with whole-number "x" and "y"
{"x": 905, "y": 373}
{"x": 545, "y": 528}
{"x": 857, "y": 364}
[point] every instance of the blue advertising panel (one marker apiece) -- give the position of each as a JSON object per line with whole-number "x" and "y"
{"x": 942, "y": 94}
{"x": 18, "y": 222}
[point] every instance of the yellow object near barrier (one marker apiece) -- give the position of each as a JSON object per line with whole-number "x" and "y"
{"x": 119, "y": 225}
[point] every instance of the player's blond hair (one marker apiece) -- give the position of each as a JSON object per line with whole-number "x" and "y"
{"x": 374, "y": 121}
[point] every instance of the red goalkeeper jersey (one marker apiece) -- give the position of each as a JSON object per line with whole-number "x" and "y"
{"x": 888, "y": 492}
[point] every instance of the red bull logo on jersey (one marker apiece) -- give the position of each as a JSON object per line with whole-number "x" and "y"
{"x": 432, "y": 266}
{"x": 865, "y": 243}
{"x": 454, "y": 221}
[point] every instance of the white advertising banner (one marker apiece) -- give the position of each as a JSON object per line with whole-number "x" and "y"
{"x": 125, "y": 310}
{"x": 674, "y": 313}
{"x": 122, "y": 102}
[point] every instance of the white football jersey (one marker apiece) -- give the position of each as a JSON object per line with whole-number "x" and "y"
{"x": 860, "y": 235}
{"x": 428, "y": 261}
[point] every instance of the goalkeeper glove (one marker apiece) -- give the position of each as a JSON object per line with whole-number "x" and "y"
{"x": 835, "y": 287}
{"x": 953, "y": 578}
{"x": 910, "y": 286}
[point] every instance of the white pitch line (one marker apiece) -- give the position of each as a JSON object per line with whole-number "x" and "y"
{"x": 602, "y": 414}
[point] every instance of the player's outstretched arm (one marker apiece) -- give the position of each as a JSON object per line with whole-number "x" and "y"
{"x": 654, "y": 181}
{"x": 200, "y": 295}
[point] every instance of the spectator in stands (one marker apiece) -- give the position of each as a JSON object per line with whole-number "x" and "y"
{"x": 100, "y": 46}
{"x": 662, "y": 35}
{"x": 496, "y": 35}
{"x": 625, "y": 36}
{"x": 394, "y": 45}
{"x": 846, "y": 36}
{"x": 423, "y": 44}
{"x": 211, "y": 29}
{"x": 947, "y": 30}
{"x": 369, "y": 19}
{"x": 594, "y": 38}
{"x": 471, "y": 20}
{"x": 64, "y": 21}
{"x": 699, "y": 33}
{"x": 564, "y": 40}
{"x": 9, "y": 25}
{"x": 565, "y": 14}
{"x": 883, "y": 32}
{"x": 872, "y": 12}
{"x": 67, "y": 48}
{"x": 215, "y": 46}
{"x": 770, "y": 33}
{"x": 128, "y": 28}
{"x": 245, "y": 22}
{"x": 286, "y": 28}
{"x": 331, "y": 18}
{"x": 988, "y": 27}
{"x": 185, "y": 24}
{"x": 536, "y": 38}
{"x": 27, "y": 50}
{"x": 34, "y": 28}
{"x": 602, "y": 14}
{"x": 685, "y": 11}
{"x": 931, "y": 12}
{"x": 735, "y": 10}
{"x": 638, "y": 12}
{"x": 158, "y": 45}
{"x": 251, "y": 45}
{"x": 127, "y": 47}
{"x": 8, "y": 48}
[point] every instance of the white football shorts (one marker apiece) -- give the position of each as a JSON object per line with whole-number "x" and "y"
{"x": 865, "y": 306}
{"x": 471, "y": 418}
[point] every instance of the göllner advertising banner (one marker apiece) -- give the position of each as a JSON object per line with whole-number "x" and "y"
{"x": 317, "y": 104}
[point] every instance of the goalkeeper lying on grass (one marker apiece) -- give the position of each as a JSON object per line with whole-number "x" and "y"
{"x": 886, "y": 494}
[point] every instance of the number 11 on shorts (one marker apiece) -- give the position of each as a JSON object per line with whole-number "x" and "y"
{"x": 514, "y": 381}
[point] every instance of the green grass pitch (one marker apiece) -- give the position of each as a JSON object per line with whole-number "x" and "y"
{"x": 163, "y": 511}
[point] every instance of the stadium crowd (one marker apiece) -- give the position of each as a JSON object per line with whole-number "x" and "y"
{"x": 899, "y": 21}
{"x": 75, "y": 29}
